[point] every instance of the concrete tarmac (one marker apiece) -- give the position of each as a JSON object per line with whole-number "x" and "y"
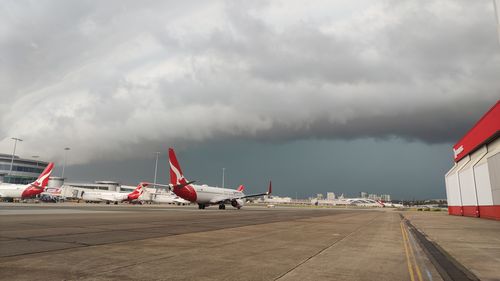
{"x": 474, "y": 243}
{"x": 100, "y": 242}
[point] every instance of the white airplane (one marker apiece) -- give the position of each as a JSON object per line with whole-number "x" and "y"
{"x": 27, "y": 191}
{"x": 113, "y": 196}
{"x": 205, "y": 195}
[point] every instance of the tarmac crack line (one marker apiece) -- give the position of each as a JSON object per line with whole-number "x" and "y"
{"x": 326, "y": 248}
{"x": 237, "y": 241}
{"x": 85, "y": 245}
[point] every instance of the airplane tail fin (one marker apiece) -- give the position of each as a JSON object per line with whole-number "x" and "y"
{"x": 241, "y": 188}
{"x": 43, "y": 179}
{"x": 270, "y": 190}
{"x": 138, "y": 191}
{"x": 176, "y": 176}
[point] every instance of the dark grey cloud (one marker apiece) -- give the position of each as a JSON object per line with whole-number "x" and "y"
{"x": 117, "y": 78}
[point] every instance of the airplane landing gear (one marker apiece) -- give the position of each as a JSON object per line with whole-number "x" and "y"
{"x": 222, "y": 207}
{"x": 201, "y": 206}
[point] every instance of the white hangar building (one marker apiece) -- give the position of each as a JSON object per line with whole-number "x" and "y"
{"x": 473, "y": 184}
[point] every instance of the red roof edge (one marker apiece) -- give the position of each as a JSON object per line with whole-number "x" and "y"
{"x": 483, "y": 131}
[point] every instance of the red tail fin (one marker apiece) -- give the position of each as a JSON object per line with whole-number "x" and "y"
{"x": 43, "y": 179}
{"x": 138, "y": 191}
{"x": 241, "y": 188}
{"x": 176, "y": 176}
{"x": 140, "y": 188}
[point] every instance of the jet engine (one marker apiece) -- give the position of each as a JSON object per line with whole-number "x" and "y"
{"x": 237, "y": 203}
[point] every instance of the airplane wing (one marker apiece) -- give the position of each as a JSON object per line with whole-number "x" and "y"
{"x": 227, "y": 200}
{"x": 170, "y": 186}
{"x": 253, "y": 195}
{"x": 269, "y": 191}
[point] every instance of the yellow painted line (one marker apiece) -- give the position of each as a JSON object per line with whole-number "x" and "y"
{"x": 410, "y": 269}
{"x": 417, "y": 268}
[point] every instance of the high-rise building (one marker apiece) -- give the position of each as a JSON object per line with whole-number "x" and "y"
{"x": 385, "y": 197}
{"x": 330, "y": 196}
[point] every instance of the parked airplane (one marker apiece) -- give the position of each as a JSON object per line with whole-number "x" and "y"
{"x": 27, "y": 191}
{"x": 113, "y": 196}
{"x": 205, "y": 195}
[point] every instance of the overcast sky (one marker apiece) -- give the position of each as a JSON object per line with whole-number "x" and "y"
{"x": 340, "y": 96}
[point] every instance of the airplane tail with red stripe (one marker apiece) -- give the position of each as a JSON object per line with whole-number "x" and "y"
{"x": 138, "y": 191}
{"x": 241, "y": 188}
{"x": 43, "y": 179}
{"x": 181, "y": 187}
{"x": 176, "y": 176}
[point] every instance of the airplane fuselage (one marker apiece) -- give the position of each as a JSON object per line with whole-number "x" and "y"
{"x": 8, "y": 190}
{"x": 207, "y": 193}
{"x": 113, "y": 196}
{"x": 19, "y": 190}
{"x": 104, "y": 196}
{"x": 203, "y": 194}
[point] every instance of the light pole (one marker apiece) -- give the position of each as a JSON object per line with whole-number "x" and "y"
{"x": 156, "y": 167}
{"x": 65, "y": 158}
{"x": 496, "y": 5}
{"x": 13, "y": 153}
{"x": 223, "y": 170}
{"x": 36, "y": 159}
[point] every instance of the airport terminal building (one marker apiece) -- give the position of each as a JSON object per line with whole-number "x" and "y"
{"x": 473, "y": 184}
{"x": 24, "y": 171}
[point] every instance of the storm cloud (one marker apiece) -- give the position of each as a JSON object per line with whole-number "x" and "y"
{"x": 116, "y": 79}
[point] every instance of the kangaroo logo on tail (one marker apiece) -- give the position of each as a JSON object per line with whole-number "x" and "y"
{"x": 181, "y": 187}
{"x": 138, "y": 191}
{"x": 43, "y": 179}
{"x": 140, "y": 188}
{"x": 176, "y": 176}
